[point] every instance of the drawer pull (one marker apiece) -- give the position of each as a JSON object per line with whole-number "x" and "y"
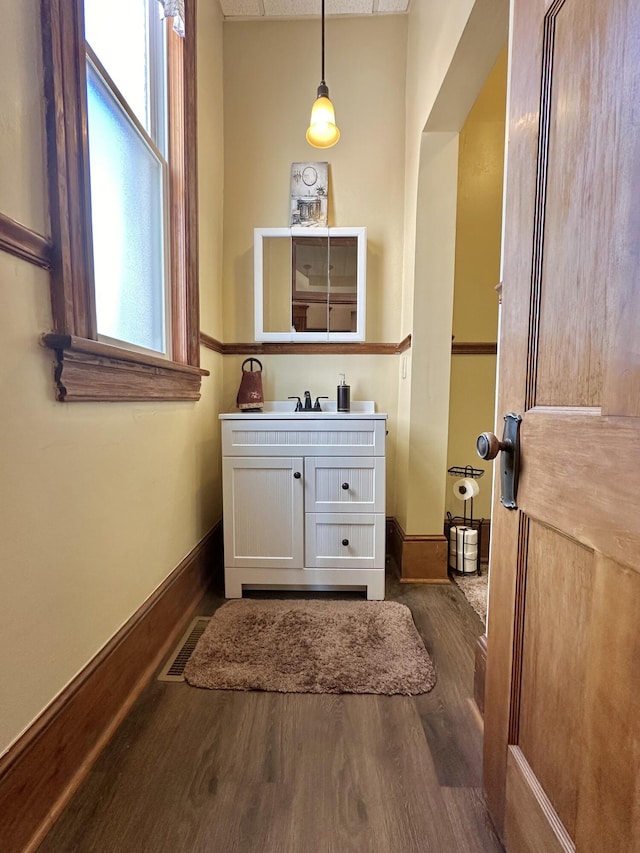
{"x": 345, "y": 486}
{"x": 297, "y": 475}
{"x": 345, "y": 541}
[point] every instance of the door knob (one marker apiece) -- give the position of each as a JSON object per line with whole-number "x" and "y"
{"x": 345, "y": 541}
{"x": 345, "y": 486}
{"x": 297, "y": 475}
{"x": 489, "y": 445}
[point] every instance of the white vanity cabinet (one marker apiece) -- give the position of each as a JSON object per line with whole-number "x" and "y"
{"x": 304, "y": 499}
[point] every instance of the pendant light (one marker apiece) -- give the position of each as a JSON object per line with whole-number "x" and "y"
{"x": 322, "y": 132}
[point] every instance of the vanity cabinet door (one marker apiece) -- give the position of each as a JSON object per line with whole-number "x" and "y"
{"x": 263, "y": 511}
{"x": 344, "y": 484}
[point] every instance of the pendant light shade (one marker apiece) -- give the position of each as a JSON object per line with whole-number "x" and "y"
{"x": 322, "y": 131}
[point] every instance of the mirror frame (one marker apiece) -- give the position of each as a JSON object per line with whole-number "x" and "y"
{"x": 259, "y": 234}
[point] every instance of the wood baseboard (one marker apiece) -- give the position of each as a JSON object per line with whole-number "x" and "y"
{"x": 419, "y": 558}
{"x": 41, "y": 771}
{"x": 480, "y": 672}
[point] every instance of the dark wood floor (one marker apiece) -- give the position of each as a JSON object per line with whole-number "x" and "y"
{"x": 231, "y": 772}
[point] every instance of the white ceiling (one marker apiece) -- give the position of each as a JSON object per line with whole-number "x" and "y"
{"x": 303, "y": 8}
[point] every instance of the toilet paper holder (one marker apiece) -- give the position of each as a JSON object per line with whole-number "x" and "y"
{"x": 465, "y": 548}
{"x": 468, "y": 472}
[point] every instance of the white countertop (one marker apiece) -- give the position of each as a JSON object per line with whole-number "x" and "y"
{"x": 285, "y": 410}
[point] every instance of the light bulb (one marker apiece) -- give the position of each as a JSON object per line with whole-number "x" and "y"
{"x": 322, "y": 132}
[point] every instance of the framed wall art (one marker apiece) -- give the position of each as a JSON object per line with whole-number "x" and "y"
{"x": 309, "y": 194}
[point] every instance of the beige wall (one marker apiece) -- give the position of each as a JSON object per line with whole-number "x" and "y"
{"x": 271, "y": 75}
{"x": 475, "y": 303}
{"x": 100, "y": 502}
{"x": 450, "y": 50}
{"x": 479, "y": 214}
{"x": 431, "y": 350}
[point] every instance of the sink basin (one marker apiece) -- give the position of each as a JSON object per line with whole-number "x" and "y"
{"x": 286, "y": 409}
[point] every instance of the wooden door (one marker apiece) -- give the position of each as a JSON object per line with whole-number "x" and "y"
{"x": 562, "y": 703}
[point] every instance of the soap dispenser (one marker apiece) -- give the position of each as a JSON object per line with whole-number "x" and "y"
{"x": 344, "y": 396}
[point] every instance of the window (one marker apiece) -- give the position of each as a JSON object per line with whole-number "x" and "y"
{"x": 128, "y": 172}
{"x": 121, "y": 144}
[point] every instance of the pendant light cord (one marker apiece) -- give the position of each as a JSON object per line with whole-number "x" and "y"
{"x": 322, "y": 76}
{"x": 322, "y": 131}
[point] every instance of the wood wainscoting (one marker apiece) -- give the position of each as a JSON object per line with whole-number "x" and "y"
{"x": 41, "y": 771}
{"x": 420, "y": 558}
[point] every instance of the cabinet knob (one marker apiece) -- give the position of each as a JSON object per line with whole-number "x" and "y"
{"x": 297, "y": 475}
{"x": 345, "y": 541}
{"x": 345, "y": 486}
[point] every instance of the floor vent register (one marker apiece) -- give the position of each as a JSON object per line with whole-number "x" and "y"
{"x": 173, "y": 670}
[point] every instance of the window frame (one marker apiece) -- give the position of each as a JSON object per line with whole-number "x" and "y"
{"x": 86, "y": 368}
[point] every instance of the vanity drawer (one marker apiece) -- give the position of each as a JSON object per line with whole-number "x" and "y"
{"x": 326, "y": 534}
{"x": 263, "y": 436}
{"x": 344, "y": 483}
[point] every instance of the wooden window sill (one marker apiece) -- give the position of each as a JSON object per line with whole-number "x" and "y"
{"x": 88, "y": 370}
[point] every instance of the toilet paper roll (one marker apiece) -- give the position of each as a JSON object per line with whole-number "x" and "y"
{"x": 465, "y": 488}
{"x": 463, "y": 563}
{"x": 469, "y": 551}
{"x": 463, "y": 536}
{"x": 463, "y": 548}
{"x": 469, "y": 565}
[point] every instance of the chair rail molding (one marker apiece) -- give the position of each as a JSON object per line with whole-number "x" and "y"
{"x": 18, "y": 240}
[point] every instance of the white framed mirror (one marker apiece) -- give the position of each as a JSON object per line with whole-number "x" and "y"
{"x": 310, "y": 284}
